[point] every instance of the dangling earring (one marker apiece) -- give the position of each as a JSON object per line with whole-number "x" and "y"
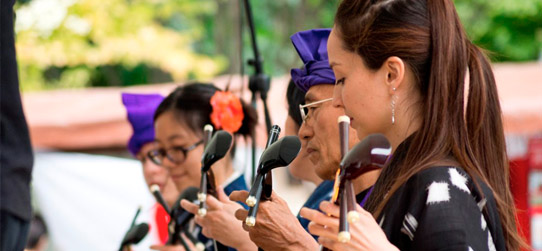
{"x": 393, "y": 98}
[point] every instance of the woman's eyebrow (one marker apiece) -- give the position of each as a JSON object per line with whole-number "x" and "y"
{"x": 174, "y": 137}
{"x": 333, "y": 64}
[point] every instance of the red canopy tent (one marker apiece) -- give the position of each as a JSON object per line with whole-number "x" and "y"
{"x": 520, "y": 91}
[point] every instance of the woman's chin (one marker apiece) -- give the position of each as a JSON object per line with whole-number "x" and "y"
{"x": 184, "y": 183}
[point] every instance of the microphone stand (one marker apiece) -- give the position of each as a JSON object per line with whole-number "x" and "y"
{"x": 258, "y": 82}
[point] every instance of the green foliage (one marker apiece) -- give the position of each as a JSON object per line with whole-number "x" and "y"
{"x": 507, "y": 28}
{"x": 275, "y": 22}
{"x": 511, "y": 30}
{"x": 69, "y": 43}
{"x": 78, "y": 43}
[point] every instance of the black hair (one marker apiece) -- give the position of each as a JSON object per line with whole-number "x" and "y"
{"x": 37, "y": 230}
{"x": 295, "y": 97}
{"x": 191, "y": 105}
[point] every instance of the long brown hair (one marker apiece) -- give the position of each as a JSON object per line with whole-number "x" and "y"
{"x": 428, "y": 36}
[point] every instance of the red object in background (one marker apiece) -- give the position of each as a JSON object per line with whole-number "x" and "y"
{"x": 161, "y": 217}
{"x": 520, "y": 169}
{"x": 535, "y": 153}
{"x": 519, "y": 180}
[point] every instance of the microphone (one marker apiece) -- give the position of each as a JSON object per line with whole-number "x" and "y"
{"x": 155, "y": 189}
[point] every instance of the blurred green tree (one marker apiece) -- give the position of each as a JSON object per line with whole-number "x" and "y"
{"x": 511, "y": 30}
{"x": 508, "y": 29}
{"x": 76, "y": 43}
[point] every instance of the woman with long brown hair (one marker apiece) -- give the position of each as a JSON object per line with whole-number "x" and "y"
{"x": 401, "y": 68}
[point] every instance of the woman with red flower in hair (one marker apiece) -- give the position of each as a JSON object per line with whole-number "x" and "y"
{"x": 179, "y": 122}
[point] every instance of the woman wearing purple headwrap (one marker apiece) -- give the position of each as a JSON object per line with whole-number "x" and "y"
{"x": 140, "y": 109}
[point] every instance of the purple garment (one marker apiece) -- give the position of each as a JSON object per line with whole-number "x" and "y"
{"x": 140, "y": 109}
{"x": 311, "y": 45}
{"x": 362, "y": 203}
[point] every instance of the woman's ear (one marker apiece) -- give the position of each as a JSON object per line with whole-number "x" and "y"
{"x": 394, "y": 68}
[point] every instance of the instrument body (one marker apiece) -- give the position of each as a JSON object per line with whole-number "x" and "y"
{"x": 372, "y": 153}
{"x": 281, "y": 153}
{"x": 135, "y": 233}
{"x": 216, "y": 147}
{"x": 180, "y": 218}
{"x": 261, "y": 179}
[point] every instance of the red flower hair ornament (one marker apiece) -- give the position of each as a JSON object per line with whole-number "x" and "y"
{"x": 227, "y": 111}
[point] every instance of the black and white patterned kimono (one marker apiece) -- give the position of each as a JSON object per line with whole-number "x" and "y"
{"x": 440, "y": 208}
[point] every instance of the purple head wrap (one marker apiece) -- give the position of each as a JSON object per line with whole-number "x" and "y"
{"x": 140, "y": 109}
{"x": 311, "y": 45}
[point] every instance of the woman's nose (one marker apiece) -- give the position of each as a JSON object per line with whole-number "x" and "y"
{"x": 337, "y": 96}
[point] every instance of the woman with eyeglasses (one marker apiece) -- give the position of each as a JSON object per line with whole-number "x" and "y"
{"x": 140, "y": 109}
{"x": 178, "y": 122}
{"x": 401, "y": 69}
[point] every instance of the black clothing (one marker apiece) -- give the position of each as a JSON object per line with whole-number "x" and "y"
{"x": 440, "y": 208}
{"x": 13, "y": 231}
{"x": 15, "y": 150}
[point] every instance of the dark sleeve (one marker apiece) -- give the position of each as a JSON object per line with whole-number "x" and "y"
{"x": 15, "y": 150}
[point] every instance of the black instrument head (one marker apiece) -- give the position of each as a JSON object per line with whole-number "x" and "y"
{"x": 370, "y": 154}
{"x": 280, "y": 153}
{"x": 135, "y": 234}
{"x": 216, "y": 149}
{"x": 190, "y": 194}
{"x": 179, "y": 216}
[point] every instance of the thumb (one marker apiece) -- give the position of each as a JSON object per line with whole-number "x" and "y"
{"x": 221, "y": 195}
{"x": 213, "y": 203}
{"x": 239, "y": 195}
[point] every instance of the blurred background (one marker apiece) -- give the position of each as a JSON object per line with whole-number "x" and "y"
{"x": 76, "y": 56}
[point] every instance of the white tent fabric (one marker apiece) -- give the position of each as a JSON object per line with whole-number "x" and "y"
{"x": 88, "y": 201}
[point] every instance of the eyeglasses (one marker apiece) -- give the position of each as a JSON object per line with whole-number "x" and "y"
{"x": 306, "y": 112}
{"x": 176, "y": 154}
